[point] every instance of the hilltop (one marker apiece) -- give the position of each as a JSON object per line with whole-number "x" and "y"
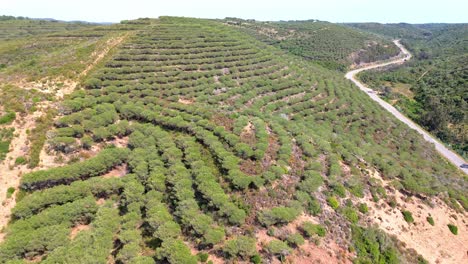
{"x": 184, "y": 140}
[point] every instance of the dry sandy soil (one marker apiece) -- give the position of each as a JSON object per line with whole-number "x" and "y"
{"x": 435, "y": 243}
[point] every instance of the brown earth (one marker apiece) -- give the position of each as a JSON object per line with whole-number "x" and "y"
{"x": 435, "y": 243}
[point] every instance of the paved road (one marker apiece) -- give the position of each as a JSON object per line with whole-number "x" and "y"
{"x": 451, "y": 156}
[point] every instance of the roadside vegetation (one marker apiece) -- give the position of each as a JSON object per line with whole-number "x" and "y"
{"x": 431, "y": 88}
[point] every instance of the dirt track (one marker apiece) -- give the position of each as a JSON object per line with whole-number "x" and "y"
{"x": 450, "y": 155}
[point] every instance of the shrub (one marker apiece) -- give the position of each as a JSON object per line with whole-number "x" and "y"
{"x": 241, "y": 246}
{"x": 408, "y": 216}
{"x": 339, "y": 190}
{"x": 256, "y": 259}
{"x": 20, "y": 160}
{"x": 309, "y": 229}
{"x": 430, "y": 220}
{"x": 95, "y": 166}
{"x": 373, "y": 246}
{"x": 175, "y": 251}
{"x": 7, "y": 118}
{"x": 351, "y": 214}
{"x": 278, "y": 215}
{"x": 453, "y": 229}
{"x": 10, "y": 191}
{"x": 363, "y": 208}
{"x": 333, "y": 202}
{"x": 202, "y": 257}
{"x": 278, "y": 248}
{"x": 295, "y": 240}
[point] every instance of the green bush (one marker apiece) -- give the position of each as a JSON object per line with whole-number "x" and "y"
{"x": 34, "y": 242}
{"x": 10, "y": 192}
{"x": 408, "y": 216}
{"x": 430, "y": 220}
{"x": 95, "y": 166}
{"x": 20, "y": 160}
{"x": 278, "y": 248}
{"x": 295, "y": 240}
{"x": 363, "y": 208}
{"x": 333, "y": 202}
{"x": 309, "y": 229}
{"x": 202, "y": 257}
{"x": 351, "y": 214}
{"x": 78, "y": 211}
{"x": 453, "y": 229}
{"x": 373, "y": 246}
{"x": 62, "y": 194}
{"x": 93, "y": 246}
{"x": 241, "y": 246}
{"x": 7, "y": 118}
{"x": 256, "y": 259}
{"x": 278, "y": 215}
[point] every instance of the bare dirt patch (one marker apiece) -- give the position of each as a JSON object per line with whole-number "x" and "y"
{"x": 75, "y": 230}
{"x": 435, "y": 243}
{"x": 120, "y": 142}
{"x": 248, "y": 134}
{"x": 186, "y": 101}
{"x": 100, "y": 201}
{"x": 224, "y": 121}
{"x": 211, "y": 254}
{"x": 325, "y": 253}
{"x": 117, "y": 172}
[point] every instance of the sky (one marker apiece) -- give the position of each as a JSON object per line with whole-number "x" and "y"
{"x": 389, "y": 11}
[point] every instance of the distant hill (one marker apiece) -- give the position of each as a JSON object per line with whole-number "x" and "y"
{"x": 331, "y": 45}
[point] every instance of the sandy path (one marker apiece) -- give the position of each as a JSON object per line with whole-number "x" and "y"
{"x": 450, "y": 155}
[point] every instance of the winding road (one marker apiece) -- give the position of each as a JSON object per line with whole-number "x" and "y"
{"x": 450, "y": 155}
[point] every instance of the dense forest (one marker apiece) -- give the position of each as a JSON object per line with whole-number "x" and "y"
{"x": 194, "y": 142}
{"x": 431, "y": 89}
{"x": 332, "y": 46}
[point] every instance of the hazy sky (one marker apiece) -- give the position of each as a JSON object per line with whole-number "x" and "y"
{"x": 411, "y": 11}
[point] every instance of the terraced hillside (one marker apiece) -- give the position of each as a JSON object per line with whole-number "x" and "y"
{"x": 195, "y": 141}
{"x": 330, "y": 45}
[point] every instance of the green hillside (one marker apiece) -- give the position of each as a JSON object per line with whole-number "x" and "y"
{"x": 192, "y": 140}
{"x": 431, "y": 88}
{"x": 330, "y": 45}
